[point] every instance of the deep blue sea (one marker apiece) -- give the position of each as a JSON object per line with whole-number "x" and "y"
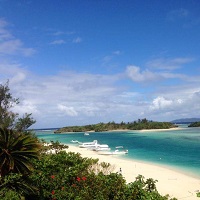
{"x": 177, "y": 149}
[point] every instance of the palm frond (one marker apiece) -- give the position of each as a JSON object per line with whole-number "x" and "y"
{"x": 16, "y": 151}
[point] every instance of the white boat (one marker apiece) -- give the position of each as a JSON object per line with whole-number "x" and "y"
{"x": 118, "y": 147}
{"x": 86, "y": 133}
{"x": 89, "y": 144}
{"x": 75, "y": 141}
{"x": 101, "y": 147}
{"x": 116, "y": 152}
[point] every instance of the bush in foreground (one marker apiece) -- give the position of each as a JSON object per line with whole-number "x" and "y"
{"x": 64, "y": 176}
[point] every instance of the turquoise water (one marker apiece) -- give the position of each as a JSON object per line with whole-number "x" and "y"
{"x": 178, "y": 149}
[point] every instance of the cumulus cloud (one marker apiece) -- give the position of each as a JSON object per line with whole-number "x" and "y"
{"x": 65, "y": 94}
{"x": 137, "y": 75}
{"x": 175, "y": 104}
{"x": 67, "y": 110}
{"x": 161, "y": 103}
{"x": 71, "y": 98}
{"x": 26, "y": 106}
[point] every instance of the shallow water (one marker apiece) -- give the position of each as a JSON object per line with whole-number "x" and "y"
{"x": 179, "y": 149}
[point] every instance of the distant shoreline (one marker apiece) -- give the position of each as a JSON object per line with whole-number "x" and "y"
{"x": 128, "y": 130}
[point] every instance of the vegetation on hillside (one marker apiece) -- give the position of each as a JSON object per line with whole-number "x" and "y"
{"x": 64, "y": 176}
{"x": 195, "y": 124}
{"x": 140, "y": 124}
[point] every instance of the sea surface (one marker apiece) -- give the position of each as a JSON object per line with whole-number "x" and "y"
{"x": 176, "y": 149}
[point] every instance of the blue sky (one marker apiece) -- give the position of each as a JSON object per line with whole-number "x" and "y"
{"x": 83, "y": 62}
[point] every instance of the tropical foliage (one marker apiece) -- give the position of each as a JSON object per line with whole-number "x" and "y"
{"x": 17, "y": 148}
{"x": 16, "y": 152}
{"x": 69, "y": 176}
{"x": 136, "y": 125}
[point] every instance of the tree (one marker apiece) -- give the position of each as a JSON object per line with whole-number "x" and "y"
{"x": 16, "y": 152}
{"x": 151, "y": 185}
{"x": 7, "y": 117}
{"x": 24, "y": 123}
{"x": 18, "y": 147}
{"x": 57, "y": 146}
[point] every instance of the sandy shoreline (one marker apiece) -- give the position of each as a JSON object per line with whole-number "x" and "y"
{"x": 169, "y": 182}
{"x": 157, "y": 130}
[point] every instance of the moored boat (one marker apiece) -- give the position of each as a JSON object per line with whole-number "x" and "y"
{"x": 75, "y": 141}
{"x": 89, "y": 144}
{"x": 116, "y": 152}
{"x": 101, "y": 147}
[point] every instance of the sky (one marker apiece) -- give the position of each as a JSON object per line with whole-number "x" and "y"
{"x": 74, "y": 62}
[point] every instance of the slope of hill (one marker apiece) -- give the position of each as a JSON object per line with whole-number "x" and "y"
{"x": 185, "y": 120}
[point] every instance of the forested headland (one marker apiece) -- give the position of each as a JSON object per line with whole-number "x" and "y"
{"x": 140, "y": 124}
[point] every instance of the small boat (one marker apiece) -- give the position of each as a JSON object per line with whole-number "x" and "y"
{"x": 75, "y": 141}
{"x": 86, "y": 133}
{"x": 89, "y": 144}
{"x": 119, "y": 147}
{"x": 101, "y": 147}
{"x": 116, "y": 152}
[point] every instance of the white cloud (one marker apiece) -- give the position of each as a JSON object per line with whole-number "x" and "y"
{"x": 13, "y": 72}
{"x": 58, "y": 42}
{"x": 71, "y": 98}
{"x": 182, "y": 102}
{"x": 67, "y": 110}
{"x": 12, "y": 47}
{"x": 18, "y": 77}
{"x": 136, "y": 75}
{"x": 168, "y": 64}
{"x": 160, "y": 103}
{"x": 106, "y": 59}
{"x": 26, "y": 106}
{"x": 58, "y": 33}
{"x": 4, "y": 34}
{"x": 9, "y": 45}
{"x": 167, "y": 75}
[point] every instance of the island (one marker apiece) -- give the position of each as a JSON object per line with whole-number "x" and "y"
{"x": 140, "y": 124}
{"x": 195, "y": 124}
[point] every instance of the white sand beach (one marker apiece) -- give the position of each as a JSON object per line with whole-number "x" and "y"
{"x": 171, "y": 182}
{"x": 158, "y": 130}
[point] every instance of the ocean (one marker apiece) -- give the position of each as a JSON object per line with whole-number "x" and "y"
{"x": 176, "y": 149}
